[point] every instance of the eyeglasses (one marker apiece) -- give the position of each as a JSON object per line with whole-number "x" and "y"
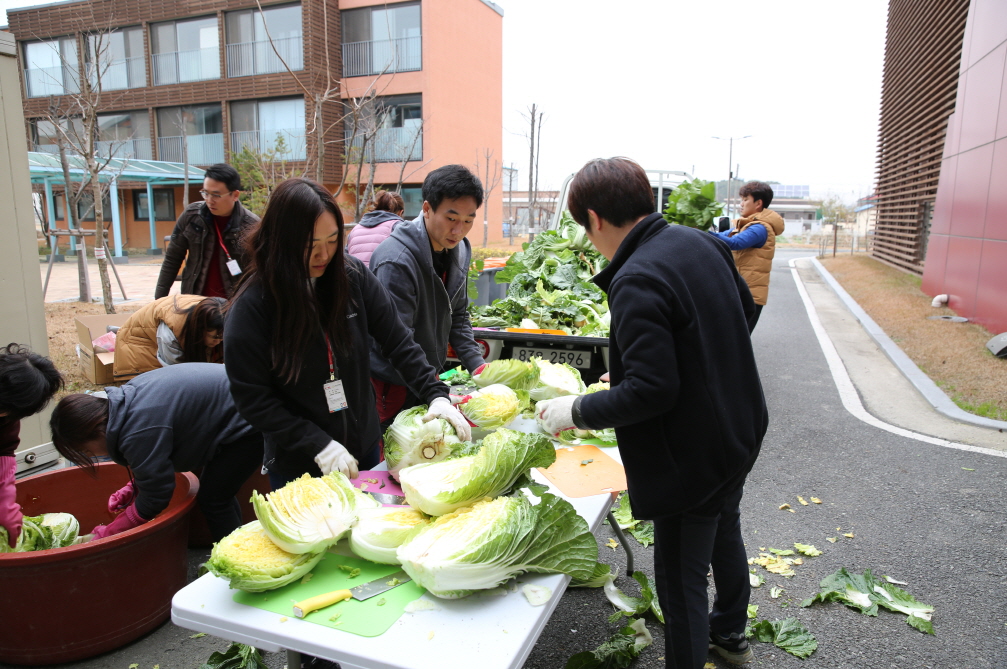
{"x": 207, "y": 195}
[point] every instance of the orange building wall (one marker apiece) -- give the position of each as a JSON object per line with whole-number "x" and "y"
{"x": 462, "y": 87}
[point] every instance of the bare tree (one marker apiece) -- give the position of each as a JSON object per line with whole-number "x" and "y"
{"x": 534, "y": 142}
{"x": 491, "y": 179}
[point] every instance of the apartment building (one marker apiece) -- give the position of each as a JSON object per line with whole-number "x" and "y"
{"x": 197, "y": 82}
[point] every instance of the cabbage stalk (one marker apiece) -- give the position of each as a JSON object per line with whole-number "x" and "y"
{"x": 555, "y": 380}
{"x": 379, "y": 532}
{"x": 492, "y": 407}
{"x": 505, "y": 456}
{"x": 409, "y": 441}
{"x": 514, "y": 374}
{"x": 250, "y": 561}
{"x": 309, "y": 514}
{"x": 481, "y": 546}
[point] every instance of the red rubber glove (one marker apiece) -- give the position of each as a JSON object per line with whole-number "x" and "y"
{"x": 126, "y": 520}
{"x": 10, "y": 511}
{"x": 121, "y": 498}
{"x": 479, "y": 370}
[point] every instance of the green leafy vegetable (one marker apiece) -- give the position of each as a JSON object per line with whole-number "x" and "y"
{"x": 616, "y": 653}
{"x": 504, "y": 457}
{"x": 250, "y": 561}
{"x": 39, "y": 533}
{"x": 789, "y": 635}
{"x": 866, "y": 593}
{"x": 409, "y": 441}
{"x": 644, "y": 533}
{"x": 693, "y": 203}
{"x": 807, "y": 549}
{"x": 379, "y": 532}
{"x": 753, "y": 611}
{"x": 597, "y": 579}
{"x": 555, "y": 380}
{"x": 624, "y": 513}
{"x": 491, "y": 407}
{"x": 237, "y": 656}
{"x": 634, "y": 606}
{"x": 515, "y": 374}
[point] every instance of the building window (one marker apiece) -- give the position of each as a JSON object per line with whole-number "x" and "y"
{"x": 185, "y": 51}
{"x": 164, "y": 205}
{"x": 412, "y": 197}
{"x": 85, "y": 208}
{"x": 115, "y": 59}
{"x": 390, "y": 129}
{"x": 201, "y": 128}
{"x": 248, "y": 47}
{"x": 51, "y": 67}
{"x": 43, "y": 133}
{"x": 274, "y": 127}
{"x": 381, "y": 39}
{"x": 124, "y": 135}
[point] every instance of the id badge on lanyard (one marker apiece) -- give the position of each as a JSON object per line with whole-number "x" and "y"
{"x": 335, "y": 395}
{"x": 232, "y": 265}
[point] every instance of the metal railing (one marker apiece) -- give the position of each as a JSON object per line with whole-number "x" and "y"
{"x": 245, "y": 58}
{"x": 203, "y": 149}
{"x": 118, "y": 75}
{"x": 381, "y": 56}
{"x": 56, "y": 80}
{"x": 47, "y": 148}
{"x": 180, "y": 66}
{"x": 392, "y": 145}
{"x": 263, "y": 141}
{"x": 137, "y": 147}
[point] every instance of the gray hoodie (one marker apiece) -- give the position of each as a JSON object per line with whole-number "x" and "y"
{"x": 436, "y": 312}
{"x": 167, "y": 420}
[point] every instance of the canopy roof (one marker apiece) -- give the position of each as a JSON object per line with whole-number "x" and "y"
{"x": 44, "y": 166}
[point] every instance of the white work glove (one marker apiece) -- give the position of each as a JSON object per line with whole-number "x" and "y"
{"x": 556, "y": 415}
{"x": 335, "y": 458}
{"x": 442, "y": 408}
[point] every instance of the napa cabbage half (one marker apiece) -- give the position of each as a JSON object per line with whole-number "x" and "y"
{"x": 409, "y": 441}
{"x": 250, "y": 561}
{"x": 479, "y": 547}
{"x": 514, "y": 374}
{"x": 556, "y": 380}
{"x": 503, "y": 458}
{"x": 310, "y": 513}
{"x": 491, "y": 407}
{"x": 379, "y": 532}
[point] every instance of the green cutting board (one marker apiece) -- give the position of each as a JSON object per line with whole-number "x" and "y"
{"x": 364, "y": 618}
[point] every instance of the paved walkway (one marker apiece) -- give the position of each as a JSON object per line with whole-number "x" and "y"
{"x": 139, "y": 278}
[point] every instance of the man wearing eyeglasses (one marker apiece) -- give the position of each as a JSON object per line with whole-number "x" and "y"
{"x": 208, "y": 237}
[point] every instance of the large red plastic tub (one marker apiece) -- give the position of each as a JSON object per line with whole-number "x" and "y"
{"x": 68, "y": 604}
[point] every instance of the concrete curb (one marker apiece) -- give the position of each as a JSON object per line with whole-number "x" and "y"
{"x": 930, "y": 391}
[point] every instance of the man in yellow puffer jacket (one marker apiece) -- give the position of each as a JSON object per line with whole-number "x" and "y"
{"x": 752, "y": 239}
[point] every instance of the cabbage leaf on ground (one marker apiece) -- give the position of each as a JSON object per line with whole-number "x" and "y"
{"x": 503, "y": 458}
{"x": 310, "y": 513}
{"x": 789, "y": 635}
{"x": 866, "y": 593}
{"x": 479, "y": 547}
{"x": 633, "y": 606}
{"x": 250, "y": 561}
{"x": 616, "y": 653}
{"x": 409, "y": 441}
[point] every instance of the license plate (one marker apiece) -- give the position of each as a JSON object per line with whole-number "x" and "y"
{"x": 580, "y": 359}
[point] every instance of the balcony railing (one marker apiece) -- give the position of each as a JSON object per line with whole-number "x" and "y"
{"x": 180, "y": 66}
{"x": 263, "y": 141}
{"x": 247, "y": 58}
{"x": 382, "y": 56}
{"x": 138, "y": 147}
{"x": 203, "y": 149}
{"x": 45, "y": 81}
{"x": 392, "y": 145}
{"x": 47, "y": 148}
{"x": 118, "y": 75}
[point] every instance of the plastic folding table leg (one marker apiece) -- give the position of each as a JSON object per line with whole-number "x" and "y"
{"x": 630, "y": 567}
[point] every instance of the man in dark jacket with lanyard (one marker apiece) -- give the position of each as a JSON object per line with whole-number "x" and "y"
{"x": 424, "y": 266}
{"x": 686, "y": 401}
{"x": 208, "y": 238}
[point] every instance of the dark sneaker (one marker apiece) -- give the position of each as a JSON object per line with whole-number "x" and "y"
{"x": 733, "y": 648}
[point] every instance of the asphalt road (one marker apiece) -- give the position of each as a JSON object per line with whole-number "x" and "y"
{"x": 927, "y": 515}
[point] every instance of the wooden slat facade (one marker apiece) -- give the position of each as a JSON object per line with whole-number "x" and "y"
{"x": 922, "y": 59}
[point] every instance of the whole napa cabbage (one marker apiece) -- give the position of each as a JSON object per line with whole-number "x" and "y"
{"x": 556, "y": 380}
{"x": 250, "y": 561}
{"x": 379, "y": 532}
{"x": 491, "y": 407}
{"x": 478, "y": 547}
{"x": 309, "y": 514}
{"x": 39, "y": 533}
{"x": 504, "y": 457}
{"x": 514, "y": 374}
{"x": 409, "y": 441}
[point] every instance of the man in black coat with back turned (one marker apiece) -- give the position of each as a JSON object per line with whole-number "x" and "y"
{"x": 686, "y": 401}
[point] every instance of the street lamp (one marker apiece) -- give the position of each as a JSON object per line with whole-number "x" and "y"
{"x": 730, "y": 174}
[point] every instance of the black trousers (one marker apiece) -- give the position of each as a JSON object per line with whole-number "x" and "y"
{"x": 221, "y": 480}
{"x": 685, "y": 546}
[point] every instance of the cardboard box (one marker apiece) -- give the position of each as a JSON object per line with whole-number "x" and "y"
{"x": 97, "y": 367}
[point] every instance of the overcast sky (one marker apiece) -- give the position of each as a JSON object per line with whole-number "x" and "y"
{"x": 655, "y": 80}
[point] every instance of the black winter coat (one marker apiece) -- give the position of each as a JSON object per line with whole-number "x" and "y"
{"x": 194, "y": 235}
{"x": 294, "y": 417}
{"x": 686, "y": 400}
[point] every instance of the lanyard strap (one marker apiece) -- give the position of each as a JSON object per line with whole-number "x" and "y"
{"x": 332, "y": 364}
{"x": 220, "y": 238}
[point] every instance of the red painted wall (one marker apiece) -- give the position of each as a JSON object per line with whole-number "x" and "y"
{"x": 967, "y": 247}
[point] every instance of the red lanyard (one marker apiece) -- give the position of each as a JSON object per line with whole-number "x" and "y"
{"x": 332, "y": 366}
{"x": 220, "y": 239}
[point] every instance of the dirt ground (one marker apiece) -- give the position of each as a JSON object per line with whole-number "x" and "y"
{"x": 954, "y": 355}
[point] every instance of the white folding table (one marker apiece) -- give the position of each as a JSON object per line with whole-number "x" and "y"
{"x": 488, "y": 631}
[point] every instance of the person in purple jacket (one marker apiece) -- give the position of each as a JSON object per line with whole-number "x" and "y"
{"x": 376, "y": 225}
